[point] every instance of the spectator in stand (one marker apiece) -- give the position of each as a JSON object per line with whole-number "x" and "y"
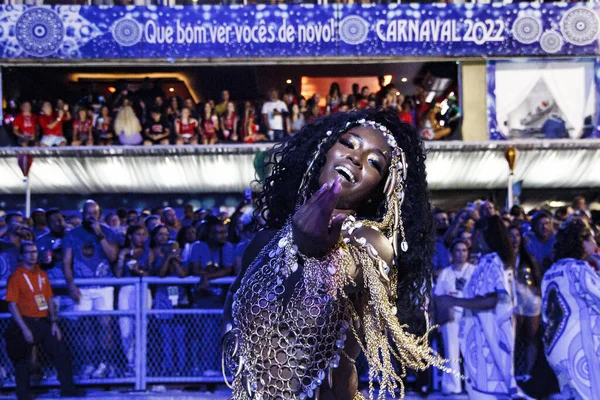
{"x": 303, "y": 106}
{"x": 104, "y": 127}
{"x": 50, "y": 249}
{"x": 334, "y": 99}
{"x": 487, "y": 209}
{"x": 134, "y": 260}
{"x": 213, "y": 258}
{"x": 66, "y": 128}
{"x": 441, "y": 255}
{"x": 10, "y": 246}
{"x": 405, "y": 115}
{"x": 186, "y": 238}
{"x": 363, "y": 100}
{"x": 296, "y": 119}
{"x": 51, "y": 123}
{"x": 431, "y": 129}
{"x": 486, "y": 334}
{"x": 188, "y": 216}
{"x": 167, "y": 256}
{"x": 82, "y": 129}
{"x": 25, "y": 126}
{"x": 540, "y": 241}
{"x": 128, "y": 127}
{"x": 174, "y": 110}
{"x": 314, "y": 112}
{"x": 529, "y": 303}
{"x": 186, "y": 128}
{"x": 159, "y": 102}
{"x": 570, "y": 310}
{"x": 452, "y": 281}
{"x": 221, "y": 108}
{"x": 152, "y": 222}
{"x": 40, "y": 227}
{"x": 229, "y": 123}
{"x": 89, "y": 251}
{"x": 189, "y": 104}
{"x": 157, "y": 130}
{"x": 352, "y": 103}
{"x": 274, "y": 114}
{"x": 580, "y": 205}
{"x": 250, "y": 132}
{"x": 34, "y": 321}
{"x": 210, "y": 125}
{"x": 171, "y": 221}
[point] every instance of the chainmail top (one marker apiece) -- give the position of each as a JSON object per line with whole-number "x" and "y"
{"x": 291, "y": 332}
{"x": 291, "y": 322}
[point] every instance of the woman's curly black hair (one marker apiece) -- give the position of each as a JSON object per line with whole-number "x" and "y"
{"x": 286, "y": 164}
{"x": 570, "y": 237}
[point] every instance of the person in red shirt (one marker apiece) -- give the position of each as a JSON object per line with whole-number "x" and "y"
{"x": 82, "y": 129}
{"x": 186, "y": 128}
{"x": 229, "y": 123}
{"x": 210, "y": 125}
{"x": 25, "y": 126}
{"x": 51, "y": 124}
{"x": 29, "y": 298}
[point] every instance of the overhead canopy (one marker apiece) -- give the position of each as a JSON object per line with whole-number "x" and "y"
{"x": 230, "y": 168}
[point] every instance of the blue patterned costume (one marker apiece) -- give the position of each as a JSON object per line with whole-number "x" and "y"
{"x": 571, "y": 315}
{"x": 487, "y": 337}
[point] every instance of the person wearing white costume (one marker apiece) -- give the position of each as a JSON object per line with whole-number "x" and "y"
{"x": 452, "y": 281}
{"x": 487, "y": 329}
{"x": 571, "y": 312}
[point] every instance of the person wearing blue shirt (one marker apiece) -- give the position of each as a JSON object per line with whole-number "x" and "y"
{"x": 215, "y": 257}
{"x": 50, "y": 249}
{"x": 88, "y": 252}
{"x": 10, "y": 247}
{"x": 540, "y": 241}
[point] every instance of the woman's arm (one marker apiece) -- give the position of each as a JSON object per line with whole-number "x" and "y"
{"x": 479, "y": 303}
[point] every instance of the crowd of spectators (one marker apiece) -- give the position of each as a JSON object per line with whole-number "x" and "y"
{"x": 148, "y": 117}
{"x": 129, "y": 243}
{"x": 157, "y": 242}
{"x": 494, "y": 263}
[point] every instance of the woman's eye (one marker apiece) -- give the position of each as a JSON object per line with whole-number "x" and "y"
{"x": 347, "y": 143}
{"x": 376, "y": 165}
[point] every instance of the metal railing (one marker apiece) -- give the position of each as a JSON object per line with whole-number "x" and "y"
{"x": 180, "y": 345}
{"x": 168, "y": 345}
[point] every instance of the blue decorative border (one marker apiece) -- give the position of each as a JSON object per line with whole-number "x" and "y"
{"x": 306, "y": 30}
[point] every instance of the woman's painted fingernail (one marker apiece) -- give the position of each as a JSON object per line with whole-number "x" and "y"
{"x": 323, "y": 188}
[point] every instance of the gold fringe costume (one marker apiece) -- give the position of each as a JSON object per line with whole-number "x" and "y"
{"x": 292, "y": 316}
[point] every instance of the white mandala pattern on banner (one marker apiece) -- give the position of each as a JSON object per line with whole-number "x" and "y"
{"x": 527, "y": 29}
{"x": 354, "y": 29}
{"x": 551, "y": 42}
{"x": 580, "y": 26}
{"x": 127, "y": 32}
{"x": 41, "y": 32}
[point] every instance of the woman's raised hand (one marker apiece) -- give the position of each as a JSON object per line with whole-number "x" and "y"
{"x": 313, "y": 229}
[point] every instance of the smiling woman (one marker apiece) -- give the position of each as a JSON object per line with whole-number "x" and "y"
{"x": 338, "y": 235}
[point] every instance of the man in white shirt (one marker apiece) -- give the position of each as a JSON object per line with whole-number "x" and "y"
{"x": 276, "y": 117}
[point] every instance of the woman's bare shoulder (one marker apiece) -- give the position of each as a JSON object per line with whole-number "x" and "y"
{"x": 377, "y": 240}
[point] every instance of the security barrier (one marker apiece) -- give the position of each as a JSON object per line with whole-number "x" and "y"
{"x": 141, "y": 345}
{"x": 135, "y": 344}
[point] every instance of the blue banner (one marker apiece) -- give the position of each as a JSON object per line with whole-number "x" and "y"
{"x": 278, "y": 31}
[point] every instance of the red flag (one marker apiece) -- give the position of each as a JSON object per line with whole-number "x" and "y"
{"x": 25, "y": 161}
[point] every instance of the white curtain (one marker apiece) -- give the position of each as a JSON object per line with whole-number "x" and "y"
{"x": 514, "y": 82}
{"x": 566, "y": 82}
{"x": 569, "y": 84}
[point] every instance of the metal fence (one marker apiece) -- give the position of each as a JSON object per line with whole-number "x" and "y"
{"x": 136, "y": 344}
